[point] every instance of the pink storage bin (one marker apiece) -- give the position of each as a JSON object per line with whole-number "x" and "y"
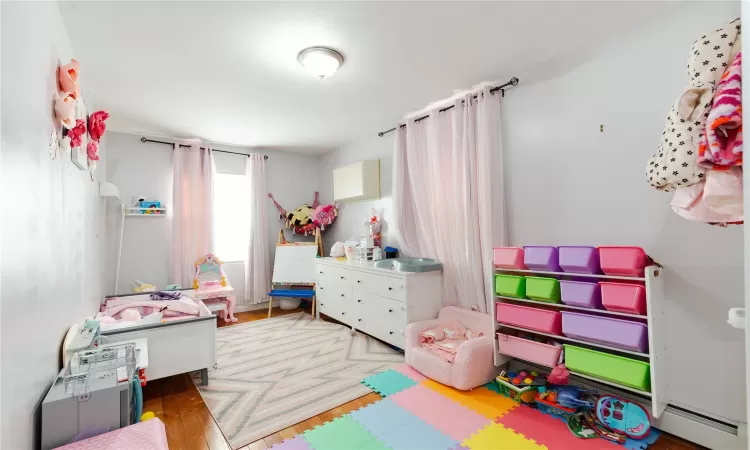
{"x": 544, "y": 354}
{"x": 530, "y": 318}
{"x": 508, "y": 258}
{"x": 623, "y": 297}
{"x": 623, "y": 261}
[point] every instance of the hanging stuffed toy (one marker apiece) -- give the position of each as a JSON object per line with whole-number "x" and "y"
{"x": 97, "y": 127}
{"x": 306, "y": 218}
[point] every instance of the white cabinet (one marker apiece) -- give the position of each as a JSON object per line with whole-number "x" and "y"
{"x": 379, "y": 302}
{"x": 357, "y": 182}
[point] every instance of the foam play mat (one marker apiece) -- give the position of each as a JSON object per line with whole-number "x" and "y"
{"x": 420, "y": 414}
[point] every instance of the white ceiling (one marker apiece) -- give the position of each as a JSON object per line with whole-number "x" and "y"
{"x": 227, "y": 71}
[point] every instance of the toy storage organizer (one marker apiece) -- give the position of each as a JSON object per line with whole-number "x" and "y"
{"x": 604, "y": 305}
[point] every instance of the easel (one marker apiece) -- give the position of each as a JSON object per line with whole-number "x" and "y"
{"x": 294, "y": 265}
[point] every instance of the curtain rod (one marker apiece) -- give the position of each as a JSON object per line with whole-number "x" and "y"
{"x": 513, "y": 82}
{"x": 144, "y": 140}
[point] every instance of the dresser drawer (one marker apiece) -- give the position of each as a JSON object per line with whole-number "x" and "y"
{"x": 381, "y": 317}
{"x": 385, "y": 286}
{"x": 333, "y": 276}
{"x": 335, "y": 302}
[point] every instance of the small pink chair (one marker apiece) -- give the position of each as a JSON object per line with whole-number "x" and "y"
{"x": 474, "y": 364}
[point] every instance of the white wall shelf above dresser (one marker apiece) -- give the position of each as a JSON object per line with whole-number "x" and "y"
{"x": 379, "y": 302}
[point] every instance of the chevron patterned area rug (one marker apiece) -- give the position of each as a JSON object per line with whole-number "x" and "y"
{"x": 274, "y": 373}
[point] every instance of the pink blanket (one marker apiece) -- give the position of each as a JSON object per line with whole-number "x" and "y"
{"x": 182, "y": 307}
{"x": 722, "y": 140}
{"x": 445, "y": 340}
{"x": 148, "y": 435}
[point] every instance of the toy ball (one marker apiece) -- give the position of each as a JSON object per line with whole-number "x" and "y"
{"x": 522, "y": 373}
{"x": 552, "y": 396}
{"x": 516, "y": 380}
{"x": 147, "y": 415}
{"x": 527, "y": 380}
{"x": 511, "y": 374}
{"x": 534, "y": 374}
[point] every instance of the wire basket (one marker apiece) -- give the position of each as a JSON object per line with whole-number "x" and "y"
{"x": 110, "y": 365}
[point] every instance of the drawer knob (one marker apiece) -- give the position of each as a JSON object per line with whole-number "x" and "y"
{"x": 342, "y": 278}
{"x": 390, "y": 332}
{"x": 342, "y": 295}
{"x": 359, "y": 281}
{"x": 322, "y": 304}
{"x": 321, "y": 272}
{"x": 390, "y": 310}
{"x": 359, "y": 320}
{"x": 321, "y": 287}
{"x": 359, "y": 301}
{"x": 390, "y": 288}
{"x": 343, "y": 314}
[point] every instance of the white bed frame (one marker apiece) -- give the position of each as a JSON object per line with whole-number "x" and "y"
{"x": 175, "y": 347}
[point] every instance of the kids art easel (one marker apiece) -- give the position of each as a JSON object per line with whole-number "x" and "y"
{"x": 294, "y": 269}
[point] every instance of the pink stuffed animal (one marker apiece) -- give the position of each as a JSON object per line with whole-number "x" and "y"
{"x": 65, "y": 110}
{"x": 67, "y": 79}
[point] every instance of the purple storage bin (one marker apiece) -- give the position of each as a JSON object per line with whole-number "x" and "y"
{"x": 618, "y": 333}
{"x": 542, "y": 258}
{"x": 583, "y": 294}
{"x": 579, "y": 259}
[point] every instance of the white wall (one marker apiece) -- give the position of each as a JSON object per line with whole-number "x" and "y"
{"x": 52, "y": 227}
{"x": 568, "y": 183}
{"x": 350, "y": 221}
{"x": 139, "y": 169}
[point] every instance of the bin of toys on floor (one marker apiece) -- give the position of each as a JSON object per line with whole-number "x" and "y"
{"x": 582, "y": 306}
{"x": 587, "y": 414}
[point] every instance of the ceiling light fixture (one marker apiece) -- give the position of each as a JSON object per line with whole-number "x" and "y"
{"x": 320, "y": 61}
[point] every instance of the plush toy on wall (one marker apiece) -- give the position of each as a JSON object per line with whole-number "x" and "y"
{"x": 306, "y": 218}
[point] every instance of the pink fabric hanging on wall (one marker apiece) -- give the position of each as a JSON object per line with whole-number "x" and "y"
{"x": 447, "y": 194}
{"x": 257, "y": 265}
{"x": 192, "y": 213}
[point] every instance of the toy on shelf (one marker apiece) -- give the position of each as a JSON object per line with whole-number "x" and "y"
{"x": 210, "y": 285}
{"x": 307, "y": 218}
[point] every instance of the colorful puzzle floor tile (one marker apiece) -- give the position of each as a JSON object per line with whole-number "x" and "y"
{"x": 497, "y": 437}
{"x": 444, "y": 414}
{"x": 421, "y": 414}
{"x": 342, "y": 433}
{"x": 410, "y": 372}
{"x": 388, "y": 382}
{"x": 481, "y": 400}
{"x": 383, "y": 416}
{"x": 417, "y": 436}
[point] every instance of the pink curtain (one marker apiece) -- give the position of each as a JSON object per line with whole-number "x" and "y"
{"x": 447, "y": 194}
{"x": 192, "y": 213}
{"x": 257, "y": 265}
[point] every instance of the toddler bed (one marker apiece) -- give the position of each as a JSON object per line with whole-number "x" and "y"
{"x": 184, "y": 341}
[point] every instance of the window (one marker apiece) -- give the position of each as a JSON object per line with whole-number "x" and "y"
{"x": 231, "y": 216}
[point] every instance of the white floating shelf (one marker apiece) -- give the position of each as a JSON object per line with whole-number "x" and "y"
{"x": 578, "y": 308}
{"x": 144, "y": 212}
{"x": 569, "y": 274}
{"x": 108, "y": 190}
{"x": 577, "y": 341}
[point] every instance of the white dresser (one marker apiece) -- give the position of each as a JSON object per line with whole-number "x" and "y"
{"x": 379, "y": 302}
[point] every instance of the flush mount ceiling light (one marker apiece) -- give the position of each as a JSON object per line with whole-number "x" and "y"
{"x": 320, "y": 61}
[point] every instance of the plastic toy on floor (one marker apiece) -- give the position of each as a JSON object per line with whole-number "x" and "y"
{"x": 624, "y": 417}
{"x": 513, "y": 385}
{"x": 211, "y": 286}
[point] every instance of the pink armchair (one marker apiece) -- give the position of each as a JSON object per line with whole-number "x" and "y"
{"x": 474, "y": 364}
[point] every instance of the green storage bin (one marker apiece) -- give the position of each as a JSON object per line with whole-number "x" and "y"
{"x": 510, "y": 286}
{"x": 543, "y": 289}
{"x": 625, "y": 371}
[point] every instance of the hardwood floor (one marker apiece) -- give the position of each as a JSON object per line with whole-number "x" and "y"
{"x": 176, "y": 401}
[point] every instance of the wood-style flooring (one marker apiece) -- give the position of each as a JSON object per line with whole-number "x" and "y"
{"x": 176, "y": 401}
